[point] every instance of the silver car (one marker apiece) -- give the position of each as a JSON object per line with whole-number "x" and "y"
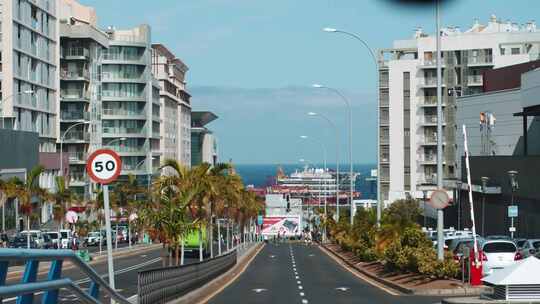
{"x": 530, "y": 248}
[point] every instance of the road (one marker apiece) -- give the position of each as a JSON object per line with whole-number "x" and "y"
{"x": 126, "y": 269}
{"x": 295, "y": 273}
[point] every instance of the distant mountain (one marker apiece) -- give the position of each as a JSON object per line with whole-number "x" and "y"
{"x": 263, "y": 125}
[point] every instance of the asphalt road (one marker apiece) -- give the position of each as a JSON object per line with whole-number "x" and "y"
{"x": 295, "y": 273}
{"x": 126, "y": 269}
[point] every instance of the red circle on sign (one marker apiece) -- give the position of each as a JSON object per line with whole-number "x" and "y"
{"x": 96, "y": 154}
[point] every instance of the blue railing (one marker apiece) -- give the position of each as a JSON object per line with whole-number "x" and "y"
{"x": 29, "y": 286}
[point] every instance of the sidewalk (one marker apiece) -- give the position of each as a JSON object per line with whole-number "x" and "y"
{"x": 405, "y": 283}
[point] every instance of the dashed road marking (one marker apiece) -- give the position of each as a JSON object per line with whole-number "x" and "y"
{"x": 304, "y": 301}
{"x": 259, "y": 290}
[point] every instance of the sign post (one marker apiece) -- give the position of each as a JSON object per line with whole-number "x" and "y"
{"x": 103, "y": 167}
{"x": 512, "y": 213}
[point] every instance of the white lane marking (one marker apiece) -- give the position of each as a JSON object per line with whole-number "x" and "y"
{"x": 298, "y": 282}
{"x": 302, "y": 294}
{"x": 297, "y": 277}
{"x": 304, "y": 301}
{"x": 143, "y": 255}
{"x": 300, "y": 287}
{"x": 259, "y": 290}
{"x": 272, "y": 256}
{"x": 311, "y": 255}
{"x": 342, "y": 288}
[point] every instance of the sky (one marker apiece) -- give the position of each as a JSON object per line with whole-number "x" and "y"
{"x": 252, "y": 63}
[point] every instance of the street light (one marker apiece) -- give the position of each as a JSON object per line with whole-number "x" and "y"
{"x": 62, "y": 142}
{"x": 375, "y": 61}
{"x": 333, "y": 125}
{"x": 115, "y": 140}
{"x": 514, "y": 185}
{"x": 485, "y": 180}
{"x": 320, "y": 86}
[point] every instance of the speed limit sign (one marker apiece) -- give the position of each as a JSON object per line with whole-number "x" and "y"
{"x": 103, "y": 166}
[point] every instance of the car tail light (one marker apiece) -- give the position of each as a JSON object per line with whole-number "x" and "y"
{"x": 484, "y": 257}
{"x": 518, "y": 256}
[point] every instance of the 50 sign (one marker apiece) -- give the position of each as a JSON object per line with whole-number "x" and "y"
{"x": 103, "y": 166}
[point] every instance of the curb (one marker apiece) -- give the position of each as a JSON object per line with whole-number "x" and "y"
{"x": 211, "y": 289}
{"x": 467, "y": 291}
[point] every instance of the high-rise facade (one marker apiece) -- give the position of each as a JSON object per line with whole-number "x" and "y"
{"x": 29, "y": 86}
{"x": 175, "y": 109}
{"x": 130, "y": 101}
{"x": 81, "y": 47}
{"x": 408, "y": 102}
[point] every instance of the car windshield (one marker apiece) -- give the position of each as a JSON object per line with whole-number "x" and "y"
{"x": 520, "y": 243}
{"x": 64, "y": 235}
{"x": 499, "y": 247}
{"x": 536, "y": 244}
{"x": 53, "y": 235}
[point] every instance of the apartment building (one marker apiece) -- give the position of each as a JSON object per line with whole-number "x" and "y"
{"x": 81, "y": 47}
{"x": 29, "y": 85}
{"x": 175, "y": 107}
{"x": 407, "y": 98}
{"x": 130, "y": 102}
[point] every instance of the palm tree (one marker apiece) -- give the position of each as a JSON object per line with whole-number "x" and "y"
{"x": 26, "y": 191}
{"x": 63, "y": 198}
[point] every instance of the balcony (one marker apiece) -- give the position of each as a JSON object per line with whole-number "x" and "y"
{"x": 124, "y": 113}
{"x": 427, "y": 101}
{"x": 116, "y": 58}
{"x": 77, "y": 179}
{"x": 127, "y": 149}
{"x": 430, "y": 139}
{"x": 384, "y": 140}
{"x": 118, "y": 95}
{"x": 428, "y": 180}
{"x": 430, "y": 82}
{"x": 74, "y": 75}
{"x": 74, "y": 95}
{"x": 77, "y": 157}
{"x": 428, "y": 159}
{"x": 74, "y": 115}
{"x": 430, "y": 120}
{"x": 75, "y": 53}
{"x": 119, "y": 131}
{"x": 480, "y": 60}
{"x": 113, "y": 77}
{"x": 475, "y": 80}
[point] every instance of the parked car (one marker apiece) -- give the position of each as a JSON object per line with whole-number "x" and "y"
{"x": 94, "y": 238}
{"x": 55, "y": 238}
{"x": 65, "y": 238}
{"x": 37, "y": 237}
{"x": 21, "y": 241}
{"x": 47, "y": 242}
{"x": 498, "y": 237}
{"x": 498, "y": 254}
{"x": 530, "y": 248}
{"x": 520, "y": 243}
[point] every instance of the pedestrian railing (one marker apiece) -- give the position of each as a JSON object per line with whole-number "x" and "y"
{"x": 27, "y": 289}
{"x": 167, "y": 283}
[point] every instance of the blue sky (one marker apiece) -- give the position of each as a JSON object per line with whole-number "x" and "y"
{"x": 251, "y": 61}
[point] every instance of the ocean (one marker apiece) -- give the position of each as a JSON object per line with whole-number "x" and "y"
{"x": 262, "y": 175}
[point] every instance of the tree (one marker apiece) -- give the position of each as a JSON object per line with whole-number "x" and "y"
{"x": 63, "y": 197}
{"x": 400, "y": 215}
{"x": 26, "y": 191}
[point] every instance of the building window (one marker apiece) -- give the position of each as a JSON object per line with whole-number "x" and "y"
{"x": 502, "y": 51}
{"x": 515, "y": 51}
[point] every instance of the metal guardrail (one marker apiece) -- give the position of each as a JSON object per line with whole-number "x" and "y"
{"x": 51, "y": 286}
{"x": 167, "y": 283}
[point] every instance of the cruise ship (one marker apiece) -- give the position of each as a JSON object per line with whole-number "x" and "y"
{"x": 314, "y": 185}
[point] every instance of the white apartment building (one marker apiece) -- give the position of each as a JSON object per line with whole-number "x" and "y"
{"x": 407, "y": 98}
{"x": 175, "y": 109}
{"x": 29, "y": 84}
